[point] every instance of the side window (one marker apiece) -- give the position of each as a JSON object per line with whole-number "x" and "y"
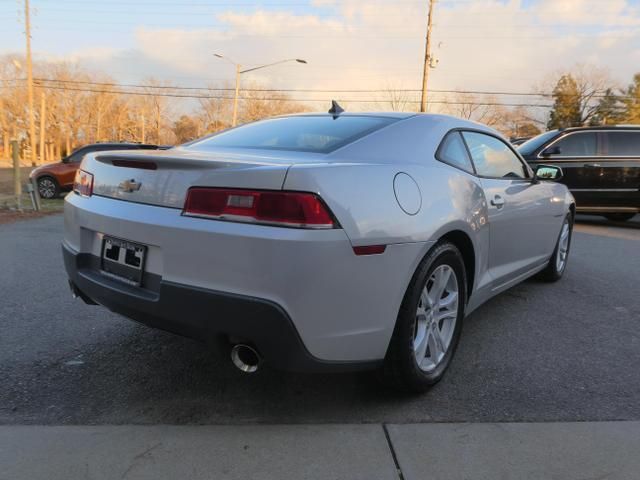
{"x": 453, "y": 152}
{"x": 577, "y": 145}
{"x": 493, "y": 158}
{"x": 623, "y": 144}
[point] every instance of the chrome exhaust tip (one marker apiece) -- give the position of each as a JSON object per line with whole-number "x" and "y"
{"x": 74, "y": 290}
{"x": 245, "y": 358}
{"x": 77, "y": 293}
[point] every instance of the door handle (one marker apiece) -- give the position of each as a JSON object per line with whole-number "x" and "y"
{"x": 591, "y": 165}
{"x": 497, "y": 201}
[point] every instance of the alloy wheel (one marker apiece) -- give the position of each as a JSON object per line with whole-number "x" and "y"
{"x": 436, "y": 318}
{"x": 46, "y": 188}
{"x": 563, "y": 246}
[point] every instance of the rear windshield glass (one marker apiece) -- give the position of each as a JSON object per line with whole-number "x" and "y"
{"x": 321, "y": 134}
{"x": 530, "y": 146}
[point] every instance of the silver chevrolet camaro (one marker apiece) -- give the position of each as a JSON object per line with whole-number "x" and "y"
{"x": 320, "y": 241}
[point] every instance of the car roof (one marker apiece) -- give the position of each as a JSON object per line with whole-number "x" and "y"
{"x": 351, "y": 114}
{"x": 600, "y": 127}
{"x": 118, "y": 144}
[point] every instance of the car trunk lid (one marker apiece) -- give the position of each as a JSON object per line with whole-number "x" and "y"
{"x": 163, "y": 177}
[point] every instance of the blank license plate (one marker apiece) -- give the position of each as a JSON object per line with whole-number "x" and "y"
{"x": 123, "y": 260}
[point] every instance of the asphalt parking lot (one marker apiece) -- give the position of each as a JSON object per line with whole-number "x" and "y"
{"x": 540, "y": 352}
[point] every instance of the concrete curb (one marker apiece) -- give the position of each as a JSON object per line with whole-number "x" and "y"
{"x": 590, "y": 450}
{"x": 195, "y": 452}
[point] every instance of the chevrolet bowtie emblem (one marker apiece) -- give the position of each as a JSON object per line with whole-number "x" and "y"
{"x": 130, "y": 186}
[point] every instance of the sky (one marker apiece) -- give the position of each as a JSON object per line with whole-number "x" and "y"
{"x": 485, "y": 45}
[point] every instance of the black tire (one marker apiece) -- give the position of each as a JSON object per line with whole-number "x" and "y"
{"x": 48, "y": 187}
{"x": 619, "y": 217}
{"x": 552, "y": 272}
{"x": 401, "y": 370}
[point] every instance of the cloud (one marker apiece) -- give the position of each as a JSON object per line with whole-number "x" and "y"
{"x": 619, "y": 13}
{"x": 355, "y": 44}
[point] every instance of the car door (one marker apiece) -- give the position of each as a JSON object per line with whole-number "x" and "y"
{"x": 618, "y": 184}
{"x": 577, "y": 154}
{"x": 523, "y": 226}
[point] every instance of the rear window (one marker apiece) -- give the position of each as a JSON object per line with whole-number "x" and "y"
{"x": 581, "y": 144}
{"x": 623, "y": 144}
{"x": 320, "y": 134}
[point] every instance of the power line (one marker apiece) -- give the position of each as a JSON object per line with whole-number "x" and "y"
{"x": 281, "y": 99}
{"x": 294, "y": 90}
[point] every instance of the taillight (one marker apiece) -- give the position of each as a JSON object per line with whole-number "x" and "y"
{"x": 83, "y": 183}
{"x": 141, "y": 164}
{"x": 287, "y": 209}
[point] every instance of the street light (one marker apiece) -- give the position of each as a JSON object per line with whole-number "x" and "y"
{"x": 239, "y": 72}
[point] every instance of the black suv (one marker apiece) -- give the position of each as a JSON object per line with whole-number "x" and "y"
{"x": 601, "y": 166}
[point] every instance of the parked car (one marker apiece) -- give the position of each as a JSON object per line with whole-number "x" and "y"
{"x": 601, "y": 166}
{"x": 318, "y": 242}
{"x": 54, "y": 178}
{"x": 519, "y": 141}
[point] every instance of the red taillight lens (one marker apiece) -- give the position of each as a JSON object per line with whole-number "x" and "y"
{"x": 289, "y": 209}
{"x": 143, "y": 165}
{"x": 83, "y": 183}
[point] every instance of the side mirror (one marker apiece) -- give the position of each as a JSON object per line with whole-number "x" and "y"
{"x": 65, "y": 159}
{"x": 551, "y": 151}
{"x": 548, "y": 172}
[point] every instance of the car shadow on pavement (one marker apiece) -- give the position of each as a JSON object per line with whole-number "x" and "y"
{"x": 595, "y": 220}
{"x": 143, "y": 376}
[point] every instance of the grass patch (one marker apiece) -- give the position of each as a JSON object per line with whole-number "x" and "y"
{"x": 8, "y": 205}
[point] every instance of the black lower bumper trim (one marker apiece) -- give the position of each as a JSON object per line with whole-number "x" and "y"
{"x": 202, "y": 314}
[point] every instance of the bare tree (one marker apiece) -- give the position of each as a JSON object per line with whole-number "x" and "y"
{"x": 484, "y": 109}
{"x": 257, "y": 104}
{"x": 520, "y": 122}
{"x": 215, "y": 112}
{"x": 398, "y": 99}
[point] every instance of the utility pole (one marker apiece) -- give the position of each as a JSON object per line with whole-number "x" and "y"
{"x": 235, "y": 98}
{"x": 43, "y": 113}
{"x": 17, "y": 186}
{"x": 5, "y": 131}
{"x": 32, "y": 122}
{"x": 158, "y": 123}
{"x": 427, "y": 59}
{"x": 142, "y": 128}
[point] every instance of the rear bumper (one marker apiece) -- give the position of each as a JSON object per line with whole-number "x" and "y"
{"x": 202, "y": 314}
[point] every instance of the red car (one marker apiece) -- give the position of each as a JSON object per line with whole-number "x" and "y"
{"x": 54, "y": 178}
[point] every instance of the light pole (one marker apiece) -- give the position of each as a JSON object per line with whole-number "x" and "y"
{"x": 239, "y": 72}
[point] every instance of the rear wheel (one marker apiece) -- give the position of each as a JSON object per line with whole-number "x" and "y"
{"x": 619, "y": 217}
{"x": 429, "y": 322}
{"x": 48, "y": 188}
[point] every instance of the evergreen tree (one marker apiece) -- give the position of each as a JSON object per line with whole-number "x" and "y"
{"x": 609, "y": 110}
{"x": 632, "y": 102}
{"x": 567, "y": 106}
